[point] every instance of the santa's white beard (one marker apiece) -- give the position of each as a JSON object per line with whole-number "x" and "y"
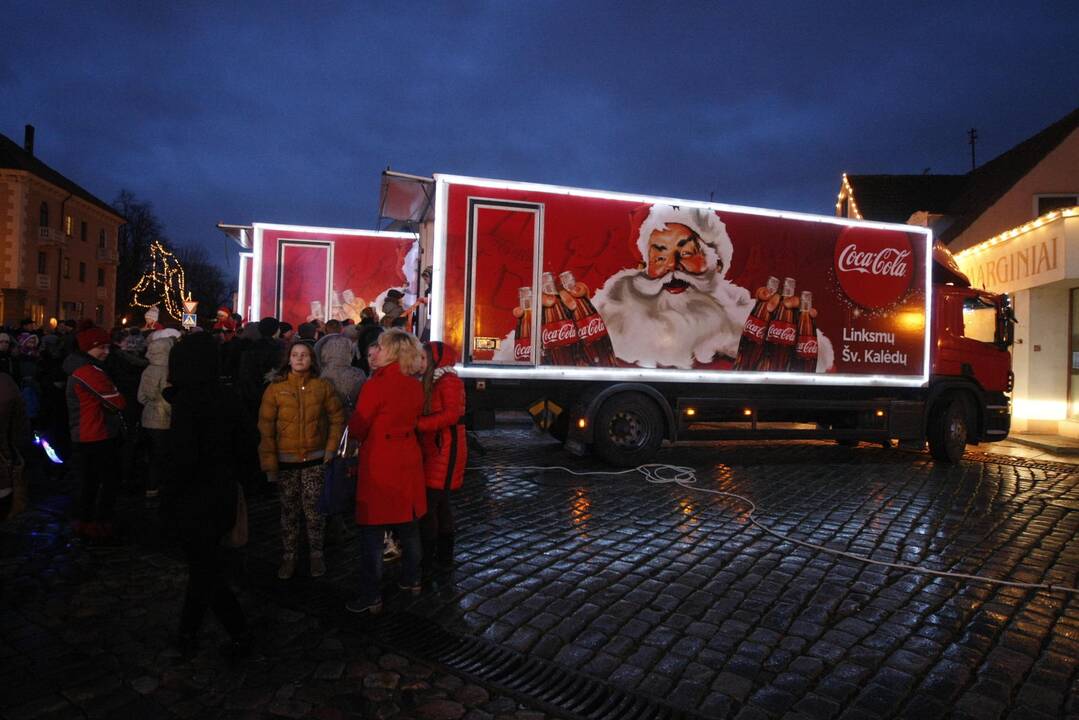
{"x": 652, "y": 327}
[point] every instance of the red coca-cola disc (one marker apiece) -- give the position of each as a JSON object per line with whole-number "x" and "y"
{"x": 874, "y": 267}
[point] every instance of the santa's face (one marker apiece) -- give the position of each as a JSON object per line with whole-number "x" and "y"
{"x": 673, "y": 251}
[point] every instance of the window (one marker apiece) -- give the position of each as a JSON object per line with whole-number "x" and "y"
{"x": 101, "y": 277}
{"x": 979, "y": 320}
{"x": 82, "y": 272}
{"x": 83, "y": 233}
{"x": 43, "y": 215}
{"x": 67, "y": 267}
{"x": 1048, "y": 203}
{"x": 67, "y": 226}
{"x": 42, "y": 262}
{"x": 99, "y": 315}
{"x": 101, "y": 242}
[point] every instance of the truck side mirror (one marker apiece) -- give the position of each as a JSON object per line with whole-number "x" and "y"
{"x": 1007, "y": 324}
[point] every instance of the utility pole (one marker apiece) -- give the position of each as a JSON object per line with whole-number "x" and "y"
{"x": 973, "y": 135}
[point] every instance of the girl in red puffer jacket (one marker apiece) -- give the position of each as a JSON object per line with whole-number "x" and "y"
{"x": 445, "y": 452}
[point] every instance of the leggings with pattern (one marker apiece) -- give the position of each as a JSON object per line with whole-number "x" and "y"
{"x": 300, "y": 489}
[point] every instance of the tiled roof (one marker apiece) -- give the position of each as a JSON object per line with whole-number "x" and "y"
{"x": 963, "y": 198}
{"x": 12, "y": 155}
{"x": 988, "y": 183}
{"x": 894, "y": 198}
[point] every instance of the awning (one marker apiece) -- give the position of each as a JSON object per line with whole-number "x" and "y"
{"x": 406, "y": 198}
{"x": 240, "y": 233}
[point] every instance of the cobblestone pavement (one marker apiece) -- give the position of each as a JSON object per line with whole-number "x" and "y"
{"x": 648, "y": 598}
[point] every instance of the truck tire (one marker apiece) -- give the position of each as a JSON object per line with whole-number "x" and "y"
{"x": 949, "y": 428}
{"x": 628, "y": 430}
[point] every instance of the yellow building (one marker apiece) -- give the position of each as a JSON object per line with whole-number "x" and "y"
{"x": 58, "y": 243}
{"x": 1013, "y": 225}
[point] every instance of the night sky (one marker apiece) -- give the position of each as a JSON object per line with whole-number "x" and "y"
{"x": 288, "y": 112}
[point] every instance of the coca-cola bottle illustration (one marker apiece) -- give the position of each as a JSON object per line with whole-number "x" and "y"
{"x": 805, "y": 350}
{"x": 596, "y": 348}
{"x": 782, "y": 333}
{"x": 558, "y": 332}
{"x": 522, "y": 338}
{"x": 751, "y": 346}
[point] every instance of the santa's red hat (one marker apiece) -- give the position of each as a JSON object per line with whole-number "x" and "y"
{"x": 715, "y": 241}
{"x": 227, "y": 311}
{"x": 92, "y": 338}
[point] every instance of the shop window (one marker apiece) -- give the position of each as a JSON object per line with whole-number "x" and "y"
{"x": 42, "y": 262}
{"x": 43, "y": 215}
{"x": 82, "y": 272}
{"x": 67, "y": 267}
{"x": 979, "y": 320}
{"x": 1049, "y": 203}
{"x": 101, "y": 277}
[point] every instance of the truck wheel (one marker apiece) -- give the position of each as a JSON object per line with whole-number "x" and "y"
{"x": 948, "y": 431}
{"x": 628, "y": 430}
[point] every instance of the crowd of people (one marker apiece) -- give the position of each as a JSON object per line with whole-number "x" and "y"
{"x": 349, "y": 424}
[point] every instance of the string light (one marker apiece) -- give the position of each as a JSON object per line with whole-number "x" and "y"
{"x": 1017, "y": 231}
{"x": 165, "y": 277}
{"x": 847, "y": 192}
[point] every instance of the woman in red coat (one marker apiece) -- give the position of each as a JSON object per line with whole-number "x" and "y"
{"x": 390, "y": 484}
{"x": 445, "y": 452}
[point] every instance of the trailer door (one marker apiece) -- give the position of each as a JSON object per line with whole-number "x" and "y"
{"x": 504, "y": 251}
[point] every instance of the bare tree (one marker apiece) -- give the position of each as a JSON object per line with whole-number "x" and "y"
{"x": 140, "y": 229}
{"x": 204, "y": 280}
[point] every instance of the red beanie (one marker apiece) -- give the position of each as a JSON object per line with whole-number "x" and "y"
{"x": 92, "y": 338}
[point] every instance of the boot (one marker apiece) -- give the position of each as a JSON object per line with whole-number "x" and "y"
{"x": 288, "y": 567}
{"x": 444, "y": 552}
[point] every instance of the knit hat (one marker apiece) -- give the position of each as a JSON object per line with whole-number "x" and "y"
{"x": 93, "y": 338}
{"x": 4, "y": 337}
{"x": 268, "y": 326}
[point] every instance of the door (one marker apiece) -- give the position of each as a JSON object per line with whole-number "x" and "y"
{"x": 504, "y": 247}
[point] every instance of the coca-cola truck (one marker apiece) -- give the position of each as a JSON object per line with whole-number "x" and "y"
{"x": 623, "y": 321}
{"x": 298, "y": 273}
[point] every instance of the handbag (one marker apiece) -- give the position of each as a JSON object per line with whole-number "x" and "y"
{"x": 338, "y": 486}
{"x": 237, "y": 536}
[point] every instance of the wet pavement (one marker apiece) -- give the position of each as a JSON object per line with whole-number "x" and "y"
{"x": 601, "y": 596}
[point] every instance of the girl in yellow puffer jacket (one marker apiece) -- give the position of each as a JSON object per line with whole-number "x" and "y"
{"x": 300, "y": 423}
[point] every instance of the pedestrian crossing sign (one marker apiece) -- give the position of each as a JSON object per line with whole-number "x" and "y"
{"x": 189, "y": 321}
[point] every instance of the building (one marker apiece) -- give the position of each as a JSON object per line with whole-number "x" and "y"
{"x": 58, "y": 243}
{"x": 1013, "y": 225}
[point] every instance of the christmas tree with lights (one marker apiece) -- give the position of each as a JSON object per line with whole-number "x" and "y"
{"x": 161, "y": 283}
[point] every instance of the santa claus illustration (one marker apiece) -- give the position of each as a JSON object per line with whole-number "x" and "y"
{"x": 679, "y": 310}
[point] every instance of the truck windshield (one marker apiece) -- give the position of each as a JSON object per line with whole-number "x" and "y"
{"x": 979, "y": 320}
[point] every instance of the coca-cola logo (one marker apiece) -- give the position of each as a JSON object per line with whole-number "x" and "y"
{"x": 754, "y": 329}
{"x": 592, "y": 330}
{"x": 806, "y": 348}
{"x": 522, "y": 351}
{"x": 558, "y": 334}
{"x": 874, "y": 267}
{"x": 782, "y": 333}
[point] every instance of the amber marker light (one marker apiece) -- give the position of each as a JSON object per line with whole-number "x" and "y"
{"x": 747, "y": 412}
{"x": 582, "y": 423}
{"x": 880, "y": 413}
{"x": 690, "y": 412}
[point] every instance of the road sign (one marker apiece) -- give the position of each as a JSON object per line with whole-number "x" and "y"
{"x": 189, "y": 321}
{"x": 190, "y": 306}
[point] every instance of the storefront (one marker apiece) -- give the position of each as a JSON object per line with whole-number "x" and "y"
{"x": 1038, "y": 265}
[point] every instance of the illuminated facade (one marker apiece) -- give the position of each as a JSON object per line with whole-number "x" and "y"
{"x": 1013, "y": 225}
{"x": 58, "y": 243}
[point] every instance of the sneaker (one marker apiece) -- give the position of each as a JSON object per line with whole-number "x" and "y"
{"x": 364, "y": 608}
{"x": 150, "y": 494}
{"x": 414, "y": 590}
{"x": 288, "y": 567}
{"x": 391, "y": 551}
{"x": 318, "y": 566}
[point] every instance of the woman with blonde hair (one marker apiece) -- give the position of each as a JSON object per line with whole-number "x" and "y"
{"x": 390, "y": 491}
{"x": 300, "y": 423}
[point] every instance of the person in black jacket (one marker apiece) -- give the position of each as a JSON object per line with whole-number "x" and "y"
{"x": 200, "y": 497}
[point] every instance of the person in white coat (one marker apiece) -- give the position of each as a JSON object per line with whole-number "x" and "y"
{"x": 156, "y": 411}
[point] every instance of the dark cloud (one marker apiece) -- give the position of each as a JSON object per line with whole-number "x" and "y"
{"x": 287, "y": 112}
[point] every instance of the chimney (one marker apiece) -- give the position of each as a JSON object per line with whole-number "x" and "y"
{"x": 28, "y": 139}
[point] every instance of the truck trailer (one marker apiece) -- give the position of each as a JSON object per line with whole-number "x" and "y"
{"x": 625, "y": 321}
